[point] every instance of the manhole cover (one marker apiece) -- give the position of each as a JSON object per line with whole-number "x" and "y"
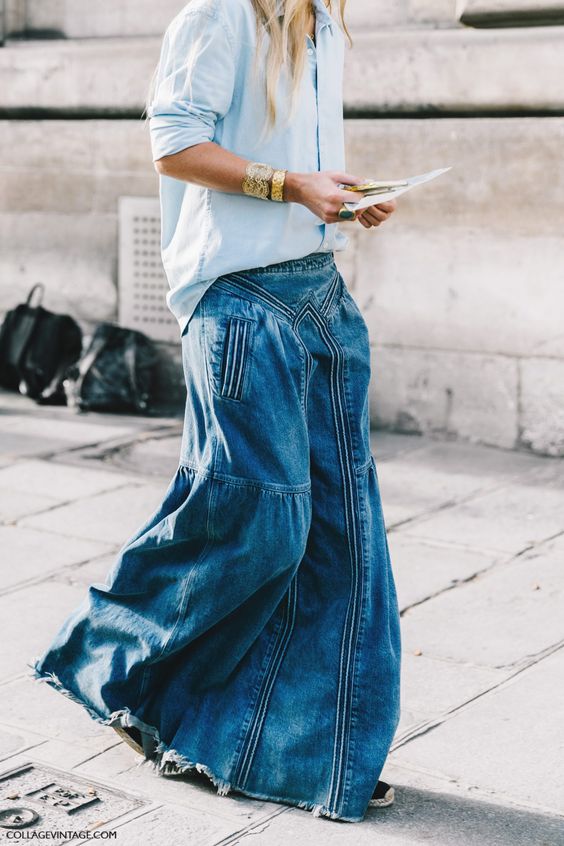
{"x": 17, "y": 817}
{"x": 33, "y": 796}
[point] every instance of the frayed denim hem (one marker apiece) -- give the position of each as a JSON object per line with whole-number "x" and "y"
{"x": 169, "y": 761}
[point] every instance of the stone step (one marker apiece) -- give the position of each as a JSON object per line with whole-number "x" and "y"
{"x": 401, "y": 71}
{"x": 465, "y": 71}
{"x": 109, "y": 76}
{"x": 132, "y": 18}
{"x": 506, "y": 13}
{"x": 103, "y": 19}
{"x": 106, "y": 18}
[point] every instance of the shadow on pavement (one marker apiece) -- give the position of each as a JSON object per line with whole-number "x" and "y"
{"x": 422, "y": 815}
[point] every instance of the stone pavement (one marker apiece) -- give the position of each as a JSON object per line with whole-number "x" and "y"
{"x": 477, "y": 541}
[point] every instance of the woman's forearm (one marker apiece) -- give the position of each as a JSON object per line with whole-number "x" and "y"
{"x": 212, "y": 166}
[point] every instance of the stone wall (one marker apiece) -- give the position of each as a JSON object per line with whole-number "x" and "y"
{"x": 462, "y": 289}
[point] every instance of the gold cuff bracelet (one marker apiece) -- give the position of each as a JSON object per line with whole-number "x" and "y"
{"x": 257, "y": 180}
{"x": 277, "y": 190}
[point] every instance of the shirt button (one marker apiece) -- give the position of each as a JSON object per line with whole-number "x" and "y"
{"x": 310, "y": 51}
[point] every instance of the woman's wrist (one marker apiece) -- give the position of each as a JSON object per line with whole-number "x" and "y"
{"x": 263, "y": 181}
{"x": 294, "y": 187}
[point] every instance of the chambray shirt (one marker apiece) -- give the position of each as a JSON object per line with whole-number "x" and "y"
{"x": 205, "y": 91}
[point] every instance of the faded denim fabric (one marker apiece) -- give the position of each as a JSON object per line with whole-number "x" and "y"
{"x": 251, "y": 625}
{"x": 206, "y": 91}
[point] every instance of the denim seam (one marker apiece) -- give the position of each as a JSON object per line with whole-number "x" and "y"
{"x": 238, "y": 481}
{"x": 307, "y": 378}
{"x": 255, "y": 692}
{"x": 330, "y": 296}
{"x": 364, "y": 468}
{"x": 334, "y": 305}
{"x": 345, "y": 686}
{"x": 187, "y": 582}
{"x": 267, "y": 684}
{"x": 360, "y": 636}
{"x": 204, "y": 342}
{"x": 307, "y": 359}
{"x": 251, "y": 297}
{"x": 261, "y": 293}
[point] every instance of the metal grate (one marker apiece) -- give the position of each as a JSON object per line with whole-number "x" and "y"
{"x": 142, "y": 282}
{"x": 45, "y": 799}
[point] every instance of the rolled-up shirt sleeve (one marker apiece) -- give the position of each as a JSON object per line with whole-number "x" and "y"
{"x": 194, "y": 82}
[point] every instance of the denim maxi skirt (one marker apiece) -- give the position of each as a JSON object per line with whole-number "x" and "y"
{"x": 251, "y": 625}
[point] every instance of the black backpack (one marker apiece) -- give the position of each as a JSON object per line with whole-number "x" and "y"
{"x": 36, "y": 349}
{"x": 116, "y": 372}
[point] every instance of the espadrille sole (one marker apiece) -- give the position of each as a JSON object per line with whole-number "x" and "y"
{"x": 385, "y": 801}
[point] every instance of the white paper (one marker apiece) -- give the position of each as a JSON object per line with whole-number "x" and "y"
{"x": 376, "y": 199}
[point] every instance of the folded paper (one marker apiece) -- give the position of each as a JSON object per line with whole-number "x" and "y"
{"x": 380, "y": 191}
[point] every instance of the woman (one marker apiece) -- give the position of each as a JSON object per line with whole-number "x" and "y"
{"x": 250, "y": 628}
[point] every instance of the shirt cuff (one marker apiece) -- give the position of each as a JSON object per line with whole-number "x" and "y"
{"x": 171, "y": 133}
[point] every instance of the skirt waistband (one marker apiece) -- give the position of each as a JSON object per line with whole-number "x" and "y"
{"x": 314, "y": 261}
{"x": 285, "y": 285}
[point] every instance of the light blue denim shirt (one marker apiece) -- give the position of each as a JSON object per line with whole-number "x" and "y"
{"x": 205, "y": 91}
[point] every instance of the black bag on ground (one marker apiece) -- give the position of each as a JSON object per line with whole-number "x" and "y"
{"x": 36, "y": 349}
{"x": 116, "y": 372}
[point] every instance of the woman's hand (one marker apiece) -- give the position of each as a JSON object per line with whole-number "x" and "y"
{"x": 320, "y": 192}
{"x": 375, "y": 215}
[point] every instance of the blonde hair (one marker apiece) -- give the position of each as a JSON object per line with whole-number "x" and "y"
{"x": 287, "y": 47}
{"x": 287, "y": 43}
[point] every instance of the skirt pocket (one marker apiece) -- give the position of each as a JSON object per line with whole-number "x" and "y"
{"x": 235, "y": 357}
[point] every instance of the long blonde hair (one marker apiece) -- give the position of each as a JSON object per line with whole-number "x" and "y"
{"x": 287, "y": 43}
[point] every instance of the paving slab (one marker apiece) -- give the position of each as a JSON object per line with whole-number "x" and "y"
{"x": 509, "y": 519}
{"x": 12, "y": 403}
{"x": 58, "y": 482}
{"x": 410, "y": 721}
{"x": 33, "y": 554}
{"x": 13, "y": 742}
{"x": 506, "y": 743}
{"x": 191, "y": 790}
{"x": 426, "y": 480}
{"x": 110, "y": 517}
{"x": 16, "y": 504}
{"x": 191, "y": 826}
{"x": 55, "y": 753}
{"x": 24, "y": 435}
{"x": 29, "y": 619}
{"x": 84, "y": 575}
{"x": 500, "y": 619}
{"x": 418, "y": 817}
{"x": 27, "y": 704}
{"x": 386, "y": 445}
{"x": 157, "y": 456}
{"x": 422, "y": 569}
{"x": 435, "y": 687}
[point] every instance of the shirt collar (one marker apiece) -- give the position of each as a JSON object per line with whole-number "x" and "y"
{"x": 322, "y": 13}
